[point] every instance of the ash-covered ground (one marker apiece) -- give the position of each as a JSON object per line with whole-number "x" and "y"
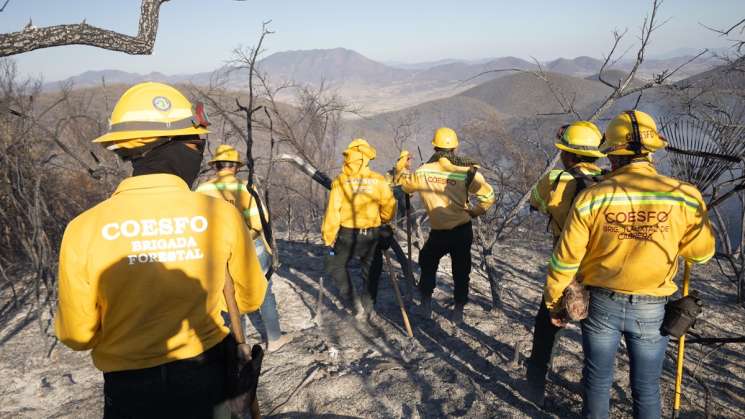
{"x": 344, "y": 368}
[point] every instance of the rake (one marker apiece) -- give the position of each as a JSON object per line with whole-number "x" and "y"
{"x": 701, "y": 152}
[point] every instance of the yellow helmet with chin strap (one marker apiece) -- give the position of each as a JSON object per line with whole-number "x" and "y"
{"x": 226, "y": 153}
{"x": 580, "y": 137}
{"x": 630, "y": 133}
{"x": 149, "y": 111}
{"x": 445, "y": 138}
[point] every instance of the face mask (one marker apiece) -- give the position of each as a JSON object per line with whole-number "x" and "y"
{"x": 175, "y": 158}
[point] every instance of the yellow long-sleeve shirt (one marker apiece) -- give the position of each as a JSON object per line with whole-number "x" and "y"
{"x": 627, "y": 232}
{"x": 235, "y": 191}
{"x": 554, "y": 193}
{"x": 141, "y": 275}
{"x": 442, "y": 187}
{"x": 359, "y": 198}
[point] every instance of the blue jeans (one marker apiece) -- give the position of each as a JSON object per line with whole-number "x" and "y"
{"x": 267, "y": 315}
{"x": 638, "y": 319}
{"x": 268, "y": 310}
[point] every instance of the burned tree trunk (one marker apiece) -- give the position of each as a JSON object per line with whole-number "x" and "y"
{"x": 32, "y": 38}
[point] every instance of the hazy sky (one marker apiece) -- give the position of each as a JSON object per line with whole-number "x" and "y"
{"x": 199, "y": 35}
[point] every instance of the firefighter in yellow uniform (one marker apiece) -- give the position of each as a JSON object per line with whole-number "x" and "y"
{"x": 553, "y": 195}
{"x": 228, "y": 187}
{"x": 386, "y": 234}
{"x": 622, "y": 240}
{"x": 360, "y": 202}
{"x": 141, "y": 274}
{"x": 444, "y": 183}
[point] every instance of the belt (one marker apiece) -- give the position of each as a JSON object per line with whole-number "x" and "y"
{"x": 214, "y": 355}
{"x": 632, "y": 298}
{"x": 363, "y": 231}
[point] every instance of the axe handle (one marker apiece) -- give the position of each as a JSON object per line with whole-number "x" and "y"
{"x": 235, "y": 326}
{"x": 408, "y": 227}
{"x": 392, "y": 277}
{"x": 681, "y": 346}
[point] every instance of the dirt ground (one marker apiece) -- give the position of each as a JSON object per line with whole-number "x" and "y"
{"x": 345, "y": 368}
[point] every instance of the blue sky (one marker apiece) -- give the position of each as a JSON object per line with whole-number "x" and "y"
{"x": 199, "y": 35}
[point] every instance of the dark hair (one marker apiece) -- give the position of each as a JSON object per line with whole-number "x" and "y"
{"x": 220, "y": 165}
{"x": 623, "y": 160}
{"x": 586, "y": 159}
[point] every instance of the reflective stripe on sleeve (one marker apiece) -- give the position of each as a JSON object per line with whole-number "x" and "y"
{"x": 539, "y": 199}
{"x": 486, "y": 198}
{"x": 562, "y": 267}
{"x": 251, "y": 212}
{"x": 703, "y": 259}
{"x": 220, "y": 186}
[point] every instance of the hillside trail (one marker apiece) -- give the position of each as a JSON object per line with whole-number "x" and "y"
{"x": 345, "y": 368}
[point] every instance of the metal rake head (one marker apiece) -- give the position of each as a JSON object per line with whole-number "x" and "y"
{"x": 701, "y": 151}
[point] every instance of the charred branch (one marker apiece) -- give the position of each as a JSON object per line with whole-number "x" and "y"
{"x": 31, "y": 38}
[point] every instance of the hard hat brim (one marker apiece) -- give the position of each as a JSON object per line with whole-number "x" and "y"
{"x": 129, "y": 135}
{"x": 213, "y": 161}
{"x": 445, "y": 147}
{"x": 588, "y": 153}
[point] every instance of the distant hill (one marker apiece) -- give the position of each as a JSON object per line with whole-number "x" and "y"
{"x": 423, "y": 65}
{"x": 459, "y": 71}
{"x": 329, "y": 65}
{"x": 524, "y": 94}
{"x": 454, "y": 111}
{"x": 576, "y": 66}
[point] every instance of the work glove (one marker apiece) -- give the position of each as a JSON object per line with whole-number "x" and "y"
{"x": 385, "y": 237}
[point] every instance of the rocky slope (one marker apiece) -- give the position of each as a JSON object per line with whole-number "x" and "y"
{"x": 342, "y": 368}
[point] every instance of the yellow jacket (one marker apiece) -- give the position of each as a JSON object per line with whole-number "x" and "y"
{"x": 393, "y": 176}
{"x": 627, "y": 232}
{"x": 359, "y": 198}
{"x": 235, "y": 191}
{"x": 442, "y": 186}
{"x": 554, "y": 193}
{"x": 141, "y": 274}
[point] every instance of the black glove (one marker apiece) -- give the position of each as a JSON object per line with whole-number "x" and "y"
{"x": 385, "y": 237}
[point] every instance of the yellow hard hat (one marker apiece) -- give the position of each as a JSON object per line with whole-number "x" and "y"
{"x": 363, "y": 147}
{"x": 148, "y": 111}
{"x": 226, "y": 153}
{"x": 632, "y": 132}
{"x": 580, "y": 137}
{"x": 404, "y": 154}
{"x": 445, "y": 138}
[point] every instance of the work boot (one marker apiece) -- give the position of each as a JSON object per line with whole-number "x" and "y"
{"x": 425, "y": 307}
{"x": 275, "y": 344}
{"x": 457, "y": 316}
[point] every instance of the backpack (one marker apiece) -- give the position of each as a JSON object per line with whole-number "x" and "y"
{"x": 583, "y": 180}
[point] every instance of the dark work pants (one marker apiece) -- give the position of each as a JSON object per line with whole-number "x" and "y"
{"x": 360, "y": 243}
{"x": 457, "y": 243}
{"x": 544, "y": 335}
{"x": 188, "y": 388}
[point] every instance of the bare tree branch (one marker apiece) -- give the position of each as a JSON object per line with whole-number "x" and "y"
{"x": 649, "y": 25}
{"x": 2, "y": 9}
{"x": 616, "y": 40}
{"x": 723, "y": 32}
{"x": 32, "y": 38}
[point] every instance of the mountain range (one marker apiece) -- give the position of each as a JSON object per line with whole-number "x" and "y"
{"x": 340, "y": 67}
